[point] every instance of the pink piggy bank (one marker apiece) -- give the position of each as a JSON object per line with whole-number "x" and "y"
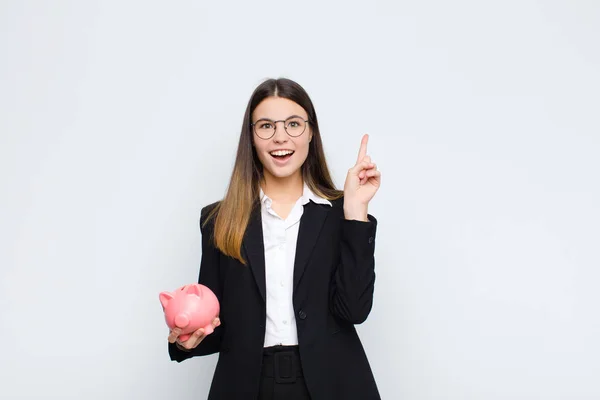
{"x": 190, "y": 308}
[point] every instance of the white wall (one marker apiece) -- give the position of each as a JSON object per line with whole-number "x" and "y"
{"x": 119, "y": 121}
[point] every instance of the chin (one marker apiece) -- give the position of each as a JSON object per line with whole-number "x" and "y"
{"x": 282, "y": 174}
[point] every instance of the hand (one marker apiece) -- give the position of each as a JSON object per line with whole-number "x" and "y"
{"x": 362, "y": 182}
{"x": 194, "y": 340}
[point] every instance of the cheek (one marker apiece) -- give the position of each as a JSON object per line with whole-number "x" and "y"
{"x": 260, "y": 151}
{"x": 303, "y": 150}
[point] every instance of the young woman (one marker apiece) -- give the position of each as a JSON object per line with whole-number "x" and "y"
{"x": 291, "y": 260}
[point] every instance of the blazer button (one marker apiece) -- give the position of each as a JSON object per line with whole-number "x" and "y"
{"x": 302, "y": 314}
{"x": 371, "y": 239}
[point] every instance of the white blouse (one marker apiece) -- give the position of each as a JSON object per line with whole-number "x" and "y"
{"x": 280, "y": 237}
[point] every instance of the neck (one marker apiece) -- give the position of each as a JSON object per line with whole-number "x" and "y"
{"x": 283, "y": 190}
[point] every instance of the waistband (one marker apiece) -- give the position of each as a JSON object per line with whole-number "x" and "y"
{"x": 282, "y": 363}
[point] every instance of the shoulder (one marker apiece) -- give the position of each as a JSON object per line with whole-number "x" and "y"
{"x": 337, "y": 203}
{"x": 208, "y": 213}
{"x": 209, "y": 208}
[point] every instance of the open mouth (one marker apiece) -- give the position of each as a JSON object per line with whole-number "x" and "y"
{"x": 282, "y": 155}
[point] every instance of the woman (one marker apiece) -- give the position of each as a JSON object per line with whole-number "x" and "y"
{"x": 291, "y": 260}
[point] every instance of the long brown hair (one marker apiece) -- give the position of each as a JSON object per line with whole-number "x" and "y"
{"x": 233, "y": 212}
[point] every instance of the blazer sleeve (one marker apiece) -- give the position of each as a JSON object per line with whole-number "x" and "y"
{"x": 353, "y": 281}
{"x": 209, "y": 277}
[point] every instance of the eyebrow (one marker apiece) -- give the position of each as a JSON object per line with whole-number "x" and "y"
{"x": 269, "y": 119}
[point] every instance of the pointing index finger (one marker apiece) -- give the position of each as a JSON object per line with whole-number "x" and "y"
{"x": 363, "y": 148}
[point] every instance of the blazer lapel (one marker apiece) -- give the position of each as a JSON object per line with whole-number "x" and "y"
{"x": 255, "y": 249}
{"x": 311, "y": 223}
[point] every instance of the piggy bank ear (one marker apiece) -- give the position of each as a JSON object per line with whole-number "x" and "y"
{"x": 164, "y": 298}
{"x": 193, "y": 289}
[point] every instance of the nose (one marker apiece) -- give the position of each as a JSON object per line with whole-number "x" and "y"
{"x": 281, "y": 135}
{"x": 182, "y": 320}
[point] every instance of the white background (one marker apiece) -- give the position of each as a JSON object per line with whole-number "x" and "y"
{"x": 119, "y": 120}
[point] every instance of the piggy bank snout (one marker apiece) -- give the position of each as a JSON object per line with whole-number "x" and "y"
{"x": 182, "y": 320}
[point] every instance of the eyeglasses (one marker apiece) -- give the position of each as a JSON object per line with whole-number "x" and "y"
{"x": 294, "y": 126}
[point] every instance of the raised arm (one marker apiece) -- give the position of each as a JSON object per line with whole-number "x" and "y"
{"x": 353, "y": 282}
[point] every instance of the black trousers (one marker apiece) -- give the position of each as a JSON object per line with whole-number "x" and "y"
{"x": 281, "y": 376}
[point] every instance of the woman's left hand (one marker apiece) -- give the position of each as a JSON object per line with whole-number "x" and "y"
{"x": 362, "y": 182}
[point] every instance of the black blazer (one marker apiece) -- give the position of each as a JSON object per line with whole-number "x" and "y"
{"x": 333, "y": 290}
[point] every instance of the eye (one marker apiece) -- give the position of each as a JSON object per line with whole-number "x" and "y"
{"x": 294, "y": 124}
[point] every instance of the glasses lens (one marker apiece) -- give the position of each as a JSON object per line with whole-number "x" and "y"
{"x": 264, "y": 129}
{"x": 295, "y": 126}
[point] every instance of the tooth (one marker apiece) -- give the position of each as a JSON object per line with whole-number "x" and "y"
{"x": 281, "y": 153}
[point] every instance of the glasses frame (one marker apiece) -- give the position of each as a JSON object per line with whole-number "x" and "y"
{"x": 253, "y": 125}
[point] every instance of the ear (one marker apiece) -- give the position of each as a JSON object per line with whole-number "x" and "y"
{"x": 193, "y": 289}
{"x": 164, "y": 298}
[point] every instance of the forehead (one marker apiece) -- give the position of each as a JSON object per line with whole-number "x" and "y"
{"x": 276, "y": 108}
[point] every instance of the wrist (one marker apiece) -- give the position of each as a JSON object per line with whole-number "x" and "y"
{"x": 358, "y": 213}
{"x": 180, "y": 347}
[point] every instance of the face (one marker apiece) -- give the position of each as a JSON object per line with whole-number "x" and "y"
{"x": 282, "y": 155}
